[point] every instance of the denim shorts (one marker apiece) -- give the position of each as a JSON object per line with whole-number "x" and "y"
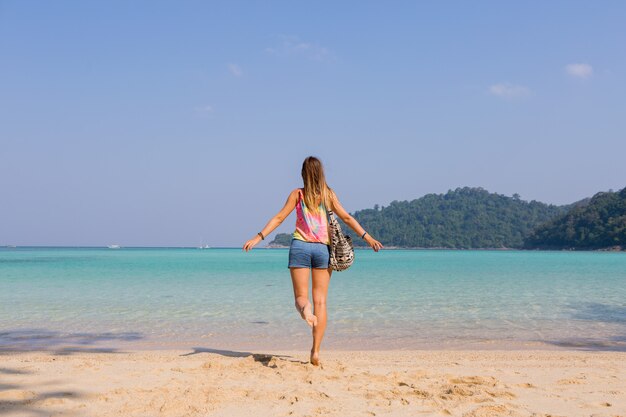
{"x": 308, "y": 254}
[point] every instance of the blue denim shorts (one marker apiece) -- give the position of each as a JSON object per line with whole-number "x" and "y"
{"x": 308, "y": 254}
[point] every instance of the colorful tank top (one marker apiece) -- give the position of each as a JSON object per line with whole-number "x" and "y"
{"x": 310, "y": 227}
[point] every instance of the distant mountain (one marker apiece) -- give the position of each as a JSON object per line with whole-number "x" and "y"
{"x": 466, "y": 218}
{"x": 281, "y": 239}
{"x": 599, "y": 223}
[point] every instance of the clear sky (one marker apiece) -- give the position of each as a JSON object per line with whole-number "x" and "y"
{"x": 186, "y": 122}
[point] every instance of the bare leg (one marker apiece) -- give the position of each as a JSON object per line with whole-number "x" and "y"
{"x": 321, "y": 279}
{"x": 300, "y": 281}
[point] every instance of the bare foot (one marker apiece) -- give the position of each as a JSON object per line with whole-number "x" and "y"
{"x": 315, "y": 358}
{"x": 308, "y": 316}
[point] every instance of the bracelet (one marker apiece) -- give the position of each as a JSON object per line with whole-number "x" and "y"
{"x": 363, "y": 236}
{"x": 261, "y": 234}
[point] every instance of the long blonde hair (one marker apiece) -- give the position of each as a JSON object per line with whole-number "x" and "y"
{"x": 316, "y": 190}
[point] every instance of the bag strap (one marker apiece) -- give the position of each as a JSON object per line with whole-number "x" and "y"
{"x": 329, "y": 214}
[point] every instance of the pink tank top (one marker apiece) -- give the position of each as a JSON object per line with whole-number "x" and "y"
{"x": 310, "y": 226}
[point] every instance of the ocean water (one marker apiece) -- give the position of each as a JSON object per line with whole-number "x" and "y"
{"x": 91, "y": 298}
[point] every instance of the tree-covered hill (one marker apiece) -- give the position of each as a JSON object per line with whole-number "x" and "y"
{"x": 598, "y": 224}
{"x": 281, "y": 239}
{"x": 464, "y": 218}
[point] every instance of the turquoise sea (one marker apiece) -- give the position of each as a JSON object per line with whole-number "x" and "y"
{"x": 99, "y": 298}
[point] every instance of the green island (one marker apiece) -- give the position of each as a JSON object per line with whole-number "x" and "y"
{"x": 599, "y": 223}
{"x": 473, "y": 218}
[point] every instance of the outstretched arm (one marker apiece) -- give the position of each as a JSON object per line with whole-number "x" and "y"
{"x": 275, "y": 221}
{"x": 353, "y": 223}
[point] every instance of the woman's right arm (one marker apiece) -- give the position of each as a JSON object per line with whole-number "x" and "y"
{"x": 353, "y": 223}
{"x": 275, "y": 221}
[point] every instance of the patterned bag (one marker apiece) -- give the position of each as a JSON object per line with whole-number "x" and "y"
{"x": 341, "y": 249}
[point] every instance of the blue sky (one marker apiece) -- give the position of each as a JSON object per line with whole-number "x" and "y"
{"x": 177, "y": 123}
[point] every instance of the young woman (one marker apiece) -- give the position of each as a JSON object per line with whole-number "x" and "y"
{"x": 309, "y": 248}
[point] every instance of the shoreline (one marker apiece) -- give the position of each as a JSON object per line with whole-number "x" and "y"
{"x": 469, "y": 249}
{"x": 617, "y": 249}
{"x": 200, "y": 382}
{"x": 32, "y": 340}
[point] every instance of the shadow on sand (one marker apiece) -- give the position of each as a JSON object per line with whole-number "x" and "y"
{"x": 25, "y": 399}
{"x": 613, "y": 344}
{"x": 22, "y": 400}
{"x": 598, "y": 313}
{"x": 29, "y": 404}
{"x": 59, "y": 343}
{"x": 263, "y": 358}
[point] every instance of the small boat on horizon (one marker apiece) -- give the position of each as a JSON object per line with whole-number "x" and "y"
{"x": 113, "y": 246}
{"x": 204, "y": 247}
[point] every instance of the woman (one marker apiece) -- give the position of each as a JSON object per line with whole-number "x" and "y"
{"x": 309, "y": 248}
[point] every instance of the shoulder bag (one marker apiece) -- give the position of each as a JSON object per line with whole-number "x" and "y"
{"x": 341, "y": 248}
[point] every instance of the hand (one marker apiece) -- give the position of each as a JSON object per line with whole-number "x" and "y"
{"x": 376, "y": 245}
{"x": 250, "y": 244}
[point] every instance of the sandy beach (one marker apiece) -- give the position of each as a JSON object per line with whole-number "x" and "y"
{"x": 207, "y": 382}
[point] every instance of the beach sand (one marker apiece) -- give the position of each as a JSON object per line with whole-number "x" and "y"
{"x": 206, "y": 382}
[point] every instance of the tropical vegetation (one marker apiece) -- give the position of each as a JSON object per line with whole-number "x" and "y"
{"x": 598, "y": 224}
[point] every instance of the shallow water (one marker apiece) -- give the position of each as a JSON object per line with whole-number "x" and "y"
{"x": 229, "y": 299}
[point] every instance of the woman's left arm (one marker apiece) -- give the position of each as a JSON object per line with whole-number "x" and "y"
{"x": 275, "y": 221}
{"x": 354, "y": 224}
